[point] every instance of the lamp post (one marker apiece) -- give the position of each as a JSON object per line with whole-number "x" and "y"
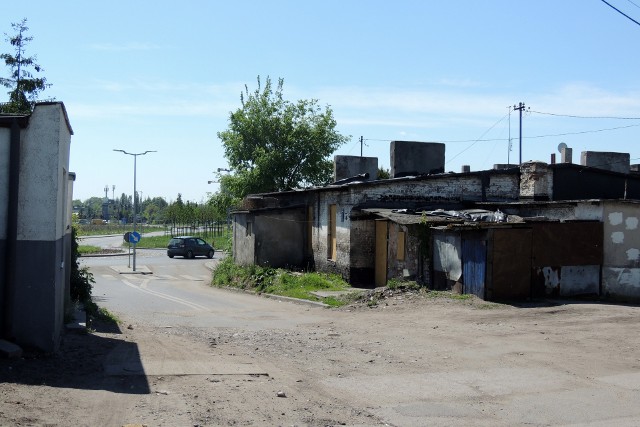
{"x": 135, "y": 203}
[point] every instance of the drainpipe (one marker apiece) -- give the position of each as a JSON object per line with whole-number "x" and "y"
{"x": 12, "y": 231}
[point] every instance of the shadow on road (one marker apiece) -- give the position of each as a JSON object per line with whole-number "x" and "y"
{"x": 81, "y": 363}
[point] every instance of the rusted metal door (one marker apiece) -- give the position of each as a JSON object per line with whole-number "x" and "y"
{"x": 381, "y": 253}
{"x": 510, "y": 260}
{"x": 474, "y": 266}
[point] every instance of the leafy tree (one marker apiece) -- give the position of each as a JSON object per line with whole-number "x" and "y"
{"x": 220, "y": 203}
{"x": 24, "y": 86}
{"x": 273, "y": 144}
{"x": 383, "y": 173}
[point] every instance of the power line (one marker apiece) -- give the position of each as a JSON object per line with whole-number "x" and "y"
{"x": 479, "y": 139}
{"x": 620, "y": 12}
{"x": 585, "y": 117}
{"x": 633, "y": 4}
{"x": 523, "y": 137}
{"x": 582, "y": 132}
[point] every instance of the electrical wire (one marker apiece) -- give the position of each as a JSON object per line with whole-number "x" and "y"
{"x": 479, "y": 139}
{"x": 581, "y": 132}
{"x": 633, "y": 4}
{"x": 524, "y": 137}
{"x": 620, "y": 12}
{"x": 585, "y": 117}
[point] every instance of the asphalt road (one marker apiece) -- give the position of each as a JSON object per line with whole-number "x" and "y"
{"x": 405, "y": 362}
{"x": 177, "y": 292}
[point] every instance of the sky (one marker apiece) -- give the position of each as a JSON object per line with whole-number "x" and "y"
{"x": 164, "y": 75}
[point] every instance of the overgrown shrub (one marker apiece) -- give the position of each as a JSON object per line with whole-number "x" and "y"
{"x": 81, "y": 278}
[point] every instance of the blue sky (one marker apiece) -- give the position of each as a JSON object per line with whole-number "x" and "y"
{"x": 164, "y": 75}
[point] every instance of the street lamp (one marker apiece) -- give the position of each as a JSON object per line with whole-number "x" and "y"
{"x": 135, "y": 203}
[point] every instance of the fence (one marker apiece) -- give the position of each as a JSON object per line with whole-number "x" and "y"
{"x": 209, "y": 229}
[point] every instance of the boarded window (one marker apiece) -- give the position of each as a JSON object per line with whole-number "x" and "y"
{"x": 332, "y": 255}
{"x": 401, "y": 238}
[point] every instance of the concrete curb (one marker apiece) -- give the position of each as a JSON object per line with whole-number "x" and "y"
{"x": 120, "y": 253}
{"x": 140, "y": 269}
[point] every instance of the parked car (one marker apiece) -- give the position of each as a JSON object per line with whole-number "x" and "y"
{"x": 189, "y": 247}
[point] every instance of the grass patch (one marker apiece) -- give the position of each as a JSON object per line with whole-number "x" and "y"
{"x": 282, "y": 282}
{"x": 449, "y": 295}
{"x": 88, "y": 249}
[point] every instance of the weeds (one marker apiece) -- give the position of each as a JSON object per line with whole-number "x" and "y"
{"x": 277, "y": 281}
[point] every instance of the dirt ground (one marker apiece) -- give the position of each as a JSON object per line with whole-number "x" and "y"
{"x": 406, "y": 361}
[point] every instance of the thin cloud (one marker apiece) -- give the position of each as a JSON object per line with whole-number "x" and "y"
{"x": 130, "y": 46}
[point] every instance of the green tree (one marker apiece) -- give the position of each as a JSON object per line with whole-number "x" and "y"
{"x": 383, "y": 173}
{"x": 24, "y": 86}
{"x": 273, "y": 144}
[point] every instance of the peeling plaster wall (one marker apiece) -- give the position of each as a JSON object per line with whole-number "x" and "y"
{"x": 356, "y": 242}
{"x": 621, "y": 267}
{"x": 571, "y": 280}
{"x": 243, "y": 244}
{"x": 536, "y": 181}
{"x": 406, "y": 268}
{"x": 341, "y": 265}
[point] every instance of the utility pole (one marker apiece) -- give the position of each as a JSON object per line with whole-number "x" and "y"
{"x": 361, "y": 143}
{"x": 509, "y": 144}
{"x": 520, "y": 108}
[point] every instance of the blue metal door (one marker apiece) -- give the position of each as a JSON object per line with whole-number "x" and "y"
{"x": 474, "y": 266}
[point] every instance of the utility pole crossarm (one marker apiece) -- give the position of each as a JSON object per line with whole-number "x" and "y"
{"x": 520, "y": 108}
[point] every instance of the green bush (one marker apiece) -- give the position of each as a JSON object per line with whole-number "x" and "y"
{"x": 82, "y": 281}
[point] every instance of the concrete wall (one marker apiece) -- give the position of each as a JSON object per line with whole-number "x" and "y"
{"x": 615, "y": 162}
{"x": 280, "y": 238}
{"x": 356, "y": 239}
{"x": 416, "y": 158}
{"x": 243, "y": 243}
{"x": 342, "y": 264}
{"x": 277, "y": 238}
{"x": 5, "y": 134}
{"x": 621, "y": 266}
{"x": 43, "y": 237}
{"x": 536, "y": 181}
{"x": 350, "y": 166}
{"x": 362, "y": 254}
{"x": 406, "y": 268}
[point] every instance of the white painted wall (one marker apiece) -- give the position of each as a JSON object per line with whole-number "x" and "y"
{"x": 43, "y": 178}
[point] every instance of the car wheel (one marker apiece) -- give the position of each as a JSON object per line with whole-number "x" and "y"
{"x": 210, "y": 254}
{"x": 170, "y": 255}
{"x": 189, "y": 254}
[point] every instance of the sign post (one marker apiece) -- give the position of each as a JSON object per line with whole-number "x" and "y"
{"x": 126, "y": 239}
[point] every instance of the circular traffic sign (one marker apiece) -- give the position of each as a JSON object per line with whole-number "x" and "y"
{"x": 134, "y": 237}
{"x": 126, "y": 237}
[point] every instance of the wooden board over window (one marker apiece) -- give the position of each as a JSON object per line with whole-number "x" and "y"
{"x": 401, "y": 237}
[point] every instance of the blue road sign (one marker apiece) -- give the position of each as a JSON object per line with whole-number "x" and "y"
{"x": 134, "y": 237}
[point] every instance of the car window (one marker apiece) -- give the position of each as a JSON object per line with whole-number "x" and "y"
{"x": 201, "y": 242}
